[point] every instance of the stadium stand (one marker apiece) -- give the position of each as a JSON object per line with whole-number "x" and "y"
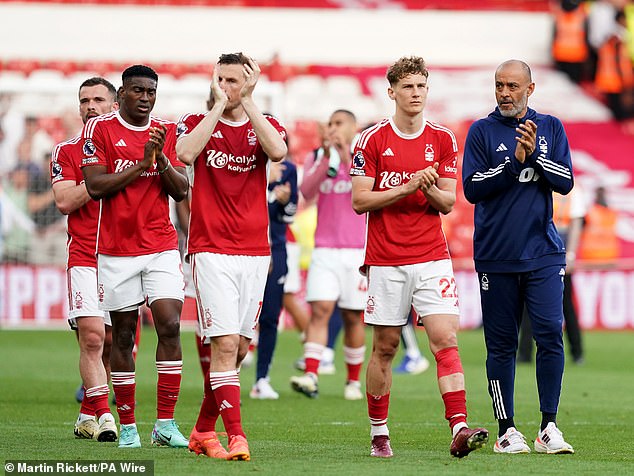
{"x": 303, "y": 79}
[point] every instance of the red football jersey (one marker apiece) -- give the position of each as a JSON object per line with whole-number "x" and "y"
{"x": 229, "y": 208}
{"x": 134, "y": 221}
{"x": 82, "y": 223}
{"x": 408, "y": 231}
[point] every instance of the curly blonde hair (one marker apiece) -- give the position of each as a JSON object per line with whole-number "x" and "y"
{"x": 406, "y": 66}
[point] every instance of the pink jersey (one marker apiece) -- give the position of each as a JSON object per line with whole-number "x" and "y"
{"x": 134, "y": 221}
{"x": 408, "y": 231}
{"x": 338, "y": 226}
{"x": 229, "y": 208}
{"x": 82, "y": 223}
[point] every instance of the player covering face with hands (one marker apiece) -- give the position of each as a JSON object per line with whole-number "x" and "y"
{"x": 229, "y": 148}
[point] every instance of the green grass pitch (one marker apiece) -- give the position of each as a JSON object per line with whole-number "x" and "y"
{"x": 295, "y": 435}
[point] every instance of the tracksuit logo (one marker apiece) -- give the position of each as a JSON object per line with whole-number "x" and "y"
{"x": 484, "y": 282}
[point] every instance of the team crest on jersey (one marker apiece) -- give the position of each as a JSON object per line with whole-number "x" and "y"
{"x": 251, "y": 137}
{"x": 181, "y": 129}
{"x": 429, "y": 152}
{"x": 89, "y": 148}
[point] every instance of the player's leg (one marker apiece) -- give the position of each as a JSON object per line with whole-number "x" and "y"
{"x": 292, "y": 286}
{"x": 435, "y": 301}
{"x": 252, "y": 272}
{"x": 322, "y": 290}
{"x": 88, "y": 319}
{"x": 163, "y": 282}
{"x": 269, "y": 319}
{"x": 203, "y": 438}
{"x": 544, "y": 292}
{"x": 414, "y": 362}
{"x": 502, "y": 305}
{"x": 387, "y": 309}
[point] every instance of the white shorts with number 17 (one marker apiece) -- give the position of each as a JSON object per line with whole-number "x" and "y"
{"x": 229, "y": 290}
{"x": 393, "y": 290}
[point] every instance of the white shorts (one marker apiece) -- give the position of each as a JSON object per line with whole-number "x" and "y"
{"x": 334, "y": 276}
{"x": 392, "y": 291}
{"x": 293, "y": 282}
{"x": 82, "y": 295}
{"x": 190, "y": 291}
{"x": 229, "y": 290}
{"x": 126, "y": 281}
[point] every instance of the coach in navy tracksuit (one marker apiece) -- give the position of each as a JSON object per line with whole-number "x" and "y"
{"x": 514, "y": 160}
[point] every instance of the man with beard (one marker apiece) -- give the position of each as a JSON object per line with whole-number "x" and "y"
{"x": 514, "y": 159}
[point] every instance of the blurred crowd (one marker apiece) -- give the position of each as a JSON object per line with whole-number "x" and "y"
{"x": 593, "y": 43}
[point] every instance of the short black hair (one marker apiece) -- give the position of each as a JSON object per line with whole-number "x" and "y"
{"x": 139, "y": 70}
{"x": 98, "y": 80}
{"x": 347, "y": 112}
{"x": 233, "y": 58}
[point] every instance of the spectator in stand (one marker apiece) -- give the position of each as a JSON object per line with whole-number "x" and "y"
{"x": 615, "y": 71}
{"x": 228, "y": 241}
{"x": 282, "y": 198}
{"x": 130, "y": 164}
{"x": 599, "y": 240}
{"x": 513, "y": 161}
{"x": 333, "y": 276}
{"x": 404, "y": 176}
{"x": 570, "y": 48}
{"x": 96, "y": 97}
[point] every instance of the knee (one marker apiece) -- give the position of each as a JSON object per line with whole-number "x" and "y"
{"x": 443, "y": 342}
{"x": 169, "y": 329}
{"x": 385, "y": 351}
{"x": 91, "y": 342}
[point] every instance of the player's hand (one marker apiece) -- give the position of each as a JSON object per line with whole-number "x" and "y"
{"x": 251, "y": 72}
{"x": 429, "y": 177}
{"x": 275, "y": 171}
{"x": 414, "y": 183}
{"x": 153, "y": 148}
{"x": 283, "y": 193}
{"x": 220, "y": 96}
{"x": 526, "y": 140}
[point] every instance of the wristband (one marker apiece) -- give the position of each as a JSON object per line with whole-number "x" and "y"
{"x": 161, "y": 172}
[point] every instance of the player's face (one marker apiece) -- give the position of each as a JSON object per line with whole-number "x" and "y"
{"x": 410, "y": 94}
{"x": 342, "y": 125}
{"x": 512, "y": 88}
{"x": 137, "y": 97}
{"x": 231, "y": 79}
{"x": 94, "y": 101}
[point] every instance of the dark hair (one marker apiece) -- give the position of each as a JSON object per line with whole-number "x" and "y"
{"x": 345, "y": 111}
{"x": 96, "y": 81}
{"x": 139, "y": 70}
{"x": 233, "y": 58}
{"x": 404, "y": 67}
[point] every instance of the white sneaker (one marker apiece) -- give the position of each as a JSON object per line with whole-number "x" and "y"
{"x": 327, "y": 367}
{"x": 352, "y": 391}
{"x": 306, "y": 384}
{"x": 550, "y": 440}
{"x": 107, "y": 429}
{"x": 86, "y": 429}
{"x": 262, "y": 390}
{"x": 511, "y": 442}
